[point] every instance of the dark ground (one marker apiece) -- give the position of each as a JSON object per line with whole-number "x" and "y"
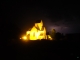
{"x": 40, "y": 50}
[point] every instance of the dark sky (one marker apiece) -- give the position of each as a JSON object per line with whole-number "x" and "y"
{"x": 64, "y": 16}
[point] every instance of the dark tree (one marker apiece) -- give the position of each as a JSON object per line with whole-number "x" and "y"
{"x": 53, "y": 33}
{"x": 58, "y": 36}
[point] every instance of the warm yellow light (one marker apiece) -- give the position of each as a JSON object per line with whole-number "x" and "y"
{"x": 49, "y": 37}
{"x": 24, "y": 37}
{"x": 20, "y": 38}
{"x": 37, "y": 32}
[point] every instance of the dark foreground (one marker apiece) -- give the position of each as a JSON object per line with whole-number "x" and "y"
{"x": 40, "y": 50}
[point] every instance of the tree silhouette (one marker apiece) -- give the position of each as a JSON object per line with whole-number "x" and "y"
{"x": 53, "y": 33}
{"x": 58, "y": 36}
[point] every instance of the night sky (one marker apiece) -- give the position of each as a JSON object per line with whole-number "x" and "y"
{"x": 64, "y": 16}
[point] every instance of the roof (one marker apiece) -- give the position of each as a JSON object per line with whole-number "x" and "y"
{"x": 38, "y": 21}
